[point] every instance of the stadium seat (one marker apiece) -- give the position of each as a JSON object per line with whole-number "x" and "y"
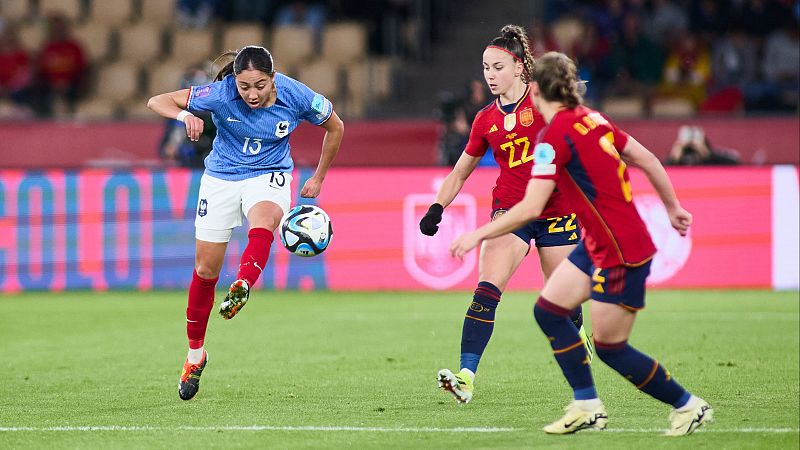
{"x": 321, "y": 76}
{"x": 32, "y": 36}
{"x": 292, "y": 46}
{"x": 672, "y": 107}
{"x": 192, "y": 46}
{"x": 140, "y": 43}
{"x": 110, "y": 12}
{"x": 95, "y": 109}
{"x": 344, "y": 43}
{"x": 71, "y": 9}
{"x": 95, "y": 39}
{"x": 623, "y": 107}
{"x": 164, "y": 78}
{"x": 160, "y": 12}
{"x": 236, "y": 36}
{"x": 15, "y": 10}
{"x": 118, "y": 82}
{"x": 371, "y": 80}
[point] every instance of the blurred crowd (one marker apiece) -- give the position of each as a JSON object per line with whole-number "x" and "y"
{"x": 717, "y": 55}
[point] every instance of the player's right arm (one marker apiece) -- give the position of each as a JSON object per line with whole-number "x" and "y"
{"x": 172, "y": 105}
{"x": 455, "y": 180}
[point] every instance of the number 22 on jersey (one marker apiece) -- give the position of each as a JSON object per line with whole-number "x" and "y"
{"x": 511, "y": 147}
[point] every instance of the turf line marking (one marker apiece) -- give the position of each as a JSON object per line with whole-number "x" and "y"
{"x": 264, "y": 428}
{"x": 369, "y": 429}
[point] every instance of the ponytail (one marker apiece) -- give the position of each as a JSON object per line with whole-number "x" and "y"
{"x": 514, "y": 39}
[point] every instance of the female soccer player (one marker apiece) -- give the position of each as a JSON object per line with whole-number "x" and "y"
{"x": 249, "y": 171}
{"x": 577, "y": 154}
{"x": 509, "y": 125}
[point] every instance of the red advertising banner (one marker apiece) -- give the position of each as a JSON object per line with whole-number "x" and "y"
{"x": 103, "y": 229}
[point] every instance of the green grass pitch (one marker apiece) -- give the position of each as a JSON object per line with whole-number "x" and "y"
{"x": 357, "y": 370}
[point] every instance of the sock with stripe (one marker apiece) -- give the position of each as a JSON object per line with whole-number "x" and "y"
{"x": 201, "y": 300}
{"x": 567, "y": 347}
{"x": 576, "y": 316}
{"x": 255, "y": 255}
{"x": 478, "y": 324}
{"x": 644, "y": 372}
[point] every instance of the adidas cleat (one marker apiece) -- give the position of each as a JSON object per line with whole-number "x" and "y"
{"x": 190, "y": 378}
{"x": 459, "y": 384}
{"x": 577, "y": 418}
{"x": 237, "y": 297}
{"x": 685, "y": 422}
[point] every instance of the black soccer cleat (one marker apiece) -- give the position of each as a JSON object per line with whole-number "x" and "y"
{"x": 190, "y": 378}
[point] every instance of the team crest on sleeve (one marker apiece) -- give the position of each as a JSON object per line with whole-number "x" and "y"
{"x": 526, "y": 117}
{"x": 543, "y": 156}
{"x": 282, "y": 128}
{"x": 203, "y": 91}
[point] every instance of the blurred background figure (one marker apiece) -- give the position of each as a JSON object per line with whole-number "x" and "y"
{"x": 692, "y": 148}
{"x": 176, "y": 148}
{"x": 687, "y": 70}
{"x": 15, "y": 74}
{"x": 303, "y": 13}
{"x": 194, "y": 13}
{"x": 62, "y": 67}
{"x": 457, "y": 114}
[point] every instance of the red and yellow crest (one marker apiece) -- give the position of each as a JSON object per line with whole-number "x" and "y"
{"x": 526, "y": 117}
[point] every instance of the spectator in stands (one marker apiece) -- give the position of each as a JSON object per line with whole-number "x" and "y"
{"x": 457, "y": 114}
{"x": 176, "y": 147}
{"x": 15, "y": 71}
{"x": 687, "y": 70}
{"x": 62, "y": 66}
{"x": 304, "y": 13}
{"x": 667, "y": 20}
{"x": 780, "y": 69}
{"x": 733, "y": 68}
{"x": 637, "y": 60}
{"x": 194, "y": 13}
{"x": 692, "y": 148}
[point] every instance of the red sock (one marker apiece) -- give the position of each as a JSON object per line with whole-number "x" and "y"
{"x": 201, "y": 300}
{"x": 255, "y": 256}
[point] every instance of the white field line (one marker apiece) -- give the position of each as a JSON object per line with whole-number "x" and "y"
{"x": 367, "y": 429}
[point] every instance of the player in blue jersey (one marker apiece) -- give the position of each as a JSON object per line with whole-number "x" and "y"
{"x": 248, "y": 172}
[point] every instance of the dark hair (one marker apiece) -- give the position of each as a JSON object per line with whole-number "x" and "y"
{"x": 251, "y": 57}
{"x": 558, "y": 80}
{"x": 514, "y": 39}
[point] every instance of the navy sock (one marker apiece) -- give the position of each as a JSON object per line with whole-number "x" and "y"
{"x": 644, "y": 372}
{"x": 478, "y": 324}
{"x": 567, "y": 347}
{"x": 576, "y": 316}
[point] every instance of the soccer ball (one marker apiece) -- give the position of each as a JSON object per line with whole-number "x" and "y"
{"x": 306, "y": 230}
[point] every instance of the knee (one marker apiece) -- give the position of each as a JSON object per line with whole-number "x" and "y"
{"x": 207, "y": 271}
{"x": 606, "y": 351}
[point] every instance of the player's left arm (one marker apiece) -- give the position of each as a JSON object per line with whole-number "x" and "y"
{"x": 530, "y": 207}
{"x": 334, "y": 131}
{"x": 637, "y": 155}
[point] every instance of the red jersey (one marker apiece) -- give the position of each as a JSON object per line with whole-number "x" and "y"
{"x": 579, "y": 151}
{"x": 62, "y": 62}
{"x": 511, "y": 136}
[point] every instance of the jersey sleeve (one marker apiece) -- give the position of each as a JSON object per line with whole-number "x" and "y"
{"x": 313, "y": 107}
{"x": 549, "y": 156}
{"x": 620, "y": 136}
{"x": 477, "y": 143}
{"x": 207, "y": 97}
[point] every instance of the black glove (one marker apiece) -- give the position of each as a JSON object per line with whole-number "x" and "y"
{"x": 429, "y": 224}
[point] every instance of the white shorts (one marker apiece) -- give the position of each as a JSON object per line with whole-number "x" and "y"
{"x": 222, "y": 203}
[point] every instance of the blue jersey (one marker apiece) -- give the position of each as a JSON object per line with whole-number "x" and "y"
{"x": 251, "y": 142}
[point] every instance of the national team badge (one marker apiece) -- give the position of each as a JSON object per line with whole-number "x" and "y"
{"x": 510, "y": 121}
{"x": 427, "y": 258}
{"x": 526, "y": 117}
{"x": 282, "y": 128}
{"x": 202, "y": 209}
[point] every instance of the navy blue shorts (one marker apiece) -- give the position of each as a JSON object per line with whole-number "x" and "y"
{"x": 550, "y": 232}
{"x": 621, "y": 285}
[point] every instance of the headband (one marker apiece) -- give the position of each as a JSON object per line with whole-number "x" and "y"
{"x": 505, "y": 50}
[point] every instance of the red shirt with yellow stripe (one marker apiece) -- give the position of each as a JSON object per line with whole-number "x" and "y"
{"x": 579, "y": 151}
{"x": 511, "y": 137}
